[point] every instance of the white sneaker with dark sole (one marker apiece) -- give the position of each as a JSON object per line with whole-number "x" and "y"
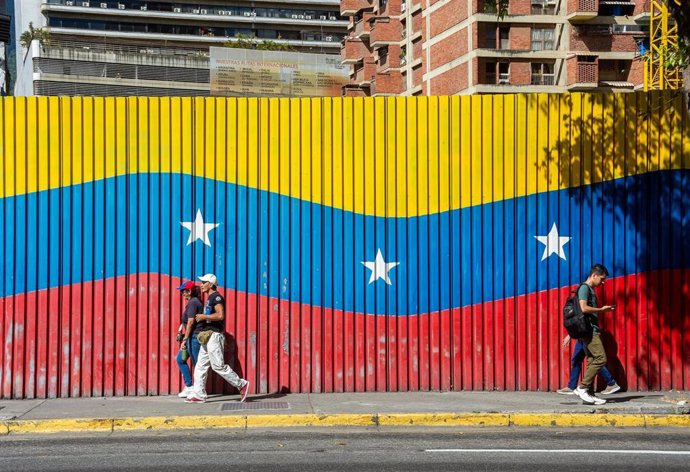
{"x": 587, "y": 398}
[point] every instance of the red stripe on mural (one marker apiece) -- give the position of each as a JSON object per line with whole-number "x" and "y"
{"x": 116, "y": 337}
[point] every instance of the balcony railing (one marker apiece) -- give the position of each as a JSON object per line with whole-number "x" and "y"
{"x": 543, "y": 79}
{"x": 582, "y": 10}
{"x": 587, "y": 72}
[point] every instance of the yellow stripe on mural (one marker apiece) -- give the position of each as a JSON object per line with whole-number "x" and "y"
{"x": 394, "y": 156}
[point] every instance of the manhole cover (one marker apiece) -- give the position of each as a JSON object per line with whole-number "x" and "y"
{"x": 236, "y": 406}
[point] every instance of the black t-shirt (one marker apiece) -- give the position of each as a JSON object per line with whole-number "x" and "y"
{"x": 209, "y": 309}
{"x": 194, "y": 307}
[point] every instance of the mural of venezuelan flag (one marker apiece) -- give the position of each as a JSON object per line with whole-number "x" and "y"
{"x": 362, "y": 244}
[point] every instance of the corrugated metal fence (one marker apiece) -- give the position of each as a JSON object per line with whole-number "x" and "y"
{"x": 361, "y": 244}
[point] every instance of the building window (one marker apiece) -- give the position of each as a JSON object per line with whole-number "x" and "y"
{"x": 504, "y": 38}
{"x": 543, "y": 7}
{"x": 497, "y": 73}
{"x": 542, "y": 74}
{"x": 542, "y": 39}
{"x": 492, "y": 34}
{"x": 503, "y": 73}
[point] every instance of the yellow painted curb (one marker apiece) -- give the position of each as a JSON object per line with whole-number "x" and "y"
{"x": 577, "y": 419}
{"x": 668, "y": 420}
{"x": 266, "y": 421}
{"x": 4, "y": 428}
{"x": 178, "y": 422}
{"x": 60, "y": 426}
{"x": 444, "y": 419}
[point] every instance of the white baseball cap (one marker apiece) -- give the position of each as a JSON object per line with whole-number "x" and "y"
{"x": 209, "y": 278}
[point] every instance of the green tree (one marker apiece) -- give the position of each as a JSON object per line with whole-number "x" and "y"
{"x": 246, "y": 41}
{"x": 27, "y": 37}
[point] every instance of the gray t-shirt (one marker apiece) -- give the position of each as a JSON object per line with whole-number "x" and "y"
{"x": 585, "y": 292}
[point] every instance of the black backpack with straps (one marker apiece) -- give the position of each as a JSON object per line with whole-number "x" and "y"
{"x": 576, "y": 322}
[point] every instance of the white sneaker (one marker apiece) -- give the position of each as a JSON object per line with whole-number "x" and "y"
{"x": 185, "y": 392}
{"x": 587, "y": 398}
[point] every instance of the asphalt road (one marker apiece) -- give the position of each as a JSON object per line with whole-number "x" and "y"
{"x": 411, "y": 449}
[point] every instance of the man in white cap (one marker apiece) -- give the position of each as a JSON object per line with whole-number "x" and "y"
{"x": 211, "y": 352}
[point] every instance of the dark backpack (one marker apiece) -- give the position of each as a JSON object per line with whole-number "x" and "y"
{"x": 576, "y": 323}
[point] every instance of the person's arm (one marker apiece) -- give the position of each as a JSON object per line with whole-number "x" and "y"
{"x": 188, "y": 329}
{"x": 217, "y": 315}
{"x": 590, "y": 309}
{"x": 566, "y": 341}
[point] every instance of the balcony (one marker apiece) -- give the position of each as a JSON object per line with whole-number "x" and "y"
{"x": 384, "y": 30}
{"x": 364, "y": 71}
{"x": 582, "y": 10}
{"x": 387, "y": 83}
{"x": 582, "y": 72}
{"x": 352, "y": 7}
{"x": 353, "y": 50}
{"x": 362, "y": 27}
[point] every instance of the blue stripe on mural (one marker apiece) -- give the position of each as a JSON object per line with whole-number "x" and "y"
{"x": 281, "y": 247}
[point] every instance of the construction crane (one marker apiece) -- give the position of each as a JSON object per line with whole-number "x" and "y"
{"x": 663, "y": 37}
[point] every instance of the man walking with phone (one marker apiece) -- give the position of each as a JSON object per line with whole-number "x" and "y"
{"x": 596, "y": 355}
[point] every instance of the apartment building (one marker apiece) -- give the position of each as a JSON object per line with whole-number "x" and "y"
{"x": 445, "y": 47}
{"x": 125, "y": 47}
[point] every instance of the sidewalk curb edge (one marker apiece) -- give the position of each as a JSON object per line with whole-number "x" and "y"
{"x": 329, "y": 420}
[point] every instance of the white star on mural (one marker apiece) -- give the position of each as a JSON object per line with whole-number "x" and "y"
{"x": 553, "y": 243}
{"x": 198, "y": 229}
{"x": 379, "y": 268}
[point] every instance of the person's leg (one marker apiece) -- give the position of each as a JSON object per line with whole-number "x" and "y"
{"x": 184, "y": 370}
{"x": 596, "y": 359}
{"x": 201, "y": 373}
{"x": 576, "y": 364}
{"x": 607, "y": 376}
{"x": 193, "y": 346}
{"x": 216, "y": 346}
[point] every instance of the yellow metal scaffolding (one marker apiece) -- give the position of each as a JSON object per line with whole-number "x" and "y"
{"x": 663, "y": 38}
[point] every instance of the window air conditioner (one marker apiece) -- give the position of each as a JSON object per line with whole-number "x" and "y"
{"x": 294, "y": 17}
{"x": 247, "y": 13}
{"x": 177, "y": 10}
{"x": 301, "y": 17}
{"x": 143, "y": 8}
{"x": 333, "y": 18}
{"x": 69, "y": 3}
{"x": 85, "y": 4}
{"x": 329, "y": 38}
{"x": 308, "y": 17}
{"x": 323, "y": 17}
{"x": 104, "y": 5}
{"x": 503, "y": 81}
{"x": 121, "y": 6}
{"x": 228, "y": 12}
{"x": 196, "y": 12}
{"x": 204, "y": 12}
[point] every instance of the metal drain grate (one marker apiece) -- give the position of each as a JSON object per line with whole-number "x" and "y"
{"x": 237, "y": 406}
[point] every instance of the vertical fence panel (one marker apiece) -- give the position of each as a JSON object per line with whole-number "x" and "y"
{"x": 361, "y": 244}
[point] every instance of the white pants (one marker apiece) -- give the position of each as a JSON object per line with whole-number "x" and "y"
{"x": 211, "y": 355}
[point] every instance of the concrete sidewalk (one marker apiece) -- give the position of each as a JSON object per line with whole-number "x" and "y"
{"x": 630, "y": 409}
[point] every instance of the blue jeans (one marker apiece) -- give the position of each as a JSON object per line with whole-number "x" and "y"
{"x": 579, "y": 355}
{"x": 193, "y": 347}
